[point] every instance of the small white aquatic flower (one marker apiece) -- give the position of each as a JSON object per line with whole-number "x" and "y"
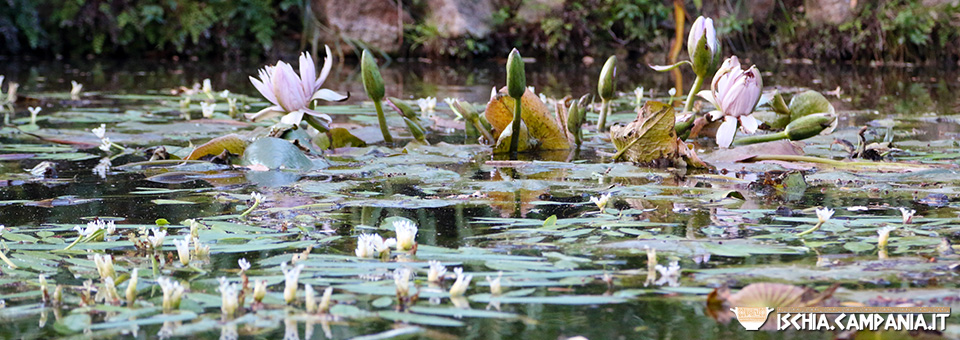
{"x": 131, "y": 291}
{"x": 208, "y": 109}
{"x": 824, "y": 215}
{"x": 310, "y": 299}
{"x": 172, "y": 293}
{"x": 669, "y": 275}
{"x": 91, "y": 228}
{"x": 200, "y": 249}
{"x": 883, "y": 236}
{"x": 104, "y": 264}
{"x": 495, "y": 287}
{"x": 100, "y": 132}
{"x": 461, "y": 284}
{"x": 292, "y": 277}
{"x": 257, "y": 197}
{"x": 208, "y": 87}
{"x": 75, "y": 89}
{"x": 601, "y": 201}
{"x": 290, "y": 93}
{"x": 401, "y": 276}
{"x": 156, "y": 241}
{"x": 449, "y": 101}
{"x": 638, "y": 92}
{"x": 325, "y": 300}
{"x": 34, "y": 111}
{"x": 103, "y": 167}
{"x": 259, "y": 290}
{"x": 183, "y": 250}
{"x": 232, "y": 104}
{"x": 406, "y": 234}
{"x": 907, "y": 215}
{"x": 110, "y": 290}
{"x": 427, "y": 104}
{"x": 436, "y": 272}
{"x": 672, "y": 92}
{"x": 43, "y": 287}
{"x": 105, "y": 144}
{"x": 244, "y": 264}
{"x": 225, "y": 94}
{"x": 373, "y": 245}
{"x": 229, "y": 300}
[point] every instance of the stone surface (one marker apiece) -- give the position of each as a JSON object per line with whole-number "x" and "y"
{"x": 457, "y": 18}
{"x": 534, "y": 11}
{"x": 828, "y": 12}
{"x": 375, "y": 22}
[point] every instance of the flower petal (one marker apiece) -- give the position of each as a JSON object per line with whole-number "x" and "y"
{"x": 272, "y": 111}
{"x": 748, "y": 124}
{"x": 292, "y": 118}
{"x": 265, "y": 90}
{"x": 308, "y": 73}
{"x": 327, "y": 64}
{"x": 706, "y": 94}
{"x": 286, "y": 86}
{"x": 329, "y": 95}
{"x": 726, "y": 132}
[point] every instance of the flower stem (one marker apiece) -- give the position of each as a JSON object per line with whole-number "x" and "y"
{"x": 815, "y": 228}
{"x": 761, "y": 138}
{"x": 693, "y": 92}
{"x": 515, "y": 137}
{"x": 256, "y": 203}
{"x": 383, "y": 122}
{"x": 604, "y": 110}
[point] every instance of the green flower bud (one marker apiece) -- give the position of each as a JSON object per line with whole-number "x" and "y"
{"x": 809, "y": 126}
{"x": 575, "y": 118}
{"x": 608, "y": 80}
{"x": 779, "y": 105}
{"x": 703, "y": 46}
{"x": 372, "y": 81}
{"x": 516, "y": 76}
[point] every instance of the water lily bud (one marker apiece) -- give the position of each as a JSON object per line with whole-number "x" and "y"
{"x": 703, "y": 46}
{"x": 883, "y": 236}
{"x": 131, "y": 291}
{"x": 779, "y": 105}
{"x": 310, "y": 299}
{"x": 608, "y": 80}
{"x": 43, "y": 287}
{"x": 229, "y": 303}
{"x": 516, "y": 76}
{"x": 325, "y": 300}
{"x": 575, "y": 118}
{"x": 104, "y": 264}
{"x": 183, "y": 250}
{"x": 58, "y": 295}
{"x": 809, "y": 126}
{"x": 372, "y": 81}
{"x": 291, "y": 276}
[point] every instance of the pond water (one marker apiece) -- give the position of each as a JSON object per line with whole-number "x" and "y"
{"x": 568, "y": 268}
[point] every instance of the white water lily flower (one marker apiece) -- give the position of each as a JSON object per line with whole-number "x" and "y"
{"x": 401, "y": 277}
{"x": 735, "y": 92}
{"x": 406, "y": 234}
{"x": 225, "y": 94}
{"x": 461, "y": 284}
{"x": 34, "y": 110}
{"x": 75, "y": 89}
{"x": 208, "y": 109}
{"x": 259, "y": 290}
{"x": 105, "y": 144}
{"x": 104, "y": 264}
{"x": 449, "y": 101}
{"x": 100, "y": 132}
{"x": 200, "y": 249}
{"x": 91, "y": 228}
{"x": 244, "y": 264}
{"x": 232, "y": 105}
{"x": 156, "y": 241}
{"x": 291, "y": 277}
{"x": 495, "y": 287}
{"x": 437, "y": 269}
{"x": 601, "y": 201}
{"x": 257, "y": 197}
{"x": 427, "y": 104}
{"x": 183, "y": 250}
{"x": 907, "y": 215}
{"x": 229, "y": 299}
{"x": 291, "y": 94}
{"x": 172, "y": 293}
{"x": 824, "y": 214}
{"x": 883, "y": 235}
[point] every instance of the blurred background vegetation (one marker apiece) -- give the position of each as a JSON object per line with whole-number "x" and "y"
{"x": 881, "y": 30}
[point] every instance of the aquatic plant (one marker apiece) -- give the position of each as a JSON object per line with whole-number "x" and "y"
{"x": 606, "y": 87}
{"x": 291, "y": 275}
{"x": 436, "y": 271}
{"x": 292, "y": 94}
{"x": 735, "y": 92}
{"x": 461, "y": 284}
{"x": 516, "y": 86}
{"x": 406, "y": 234}
{"x": 373, "y": 85}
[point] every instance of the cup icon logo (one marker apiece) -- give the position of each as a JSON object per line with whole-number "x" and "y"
{"x": 752, "y": 318}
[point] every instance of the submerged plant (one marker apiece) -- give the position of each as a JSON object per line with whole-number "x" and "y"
{"x": 292, "y": 94}
{"x": 607, "y": 89}
{"x": 373, "y": 84}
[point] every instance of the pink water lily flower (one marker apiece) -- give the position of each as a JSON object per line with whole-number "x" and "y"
{"x": 735, "y": 92}
{"x": 291, "y": 94}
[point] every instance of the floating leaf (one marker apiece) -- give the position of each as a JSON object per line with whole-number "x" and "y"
{"x": 231, "y": 143}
